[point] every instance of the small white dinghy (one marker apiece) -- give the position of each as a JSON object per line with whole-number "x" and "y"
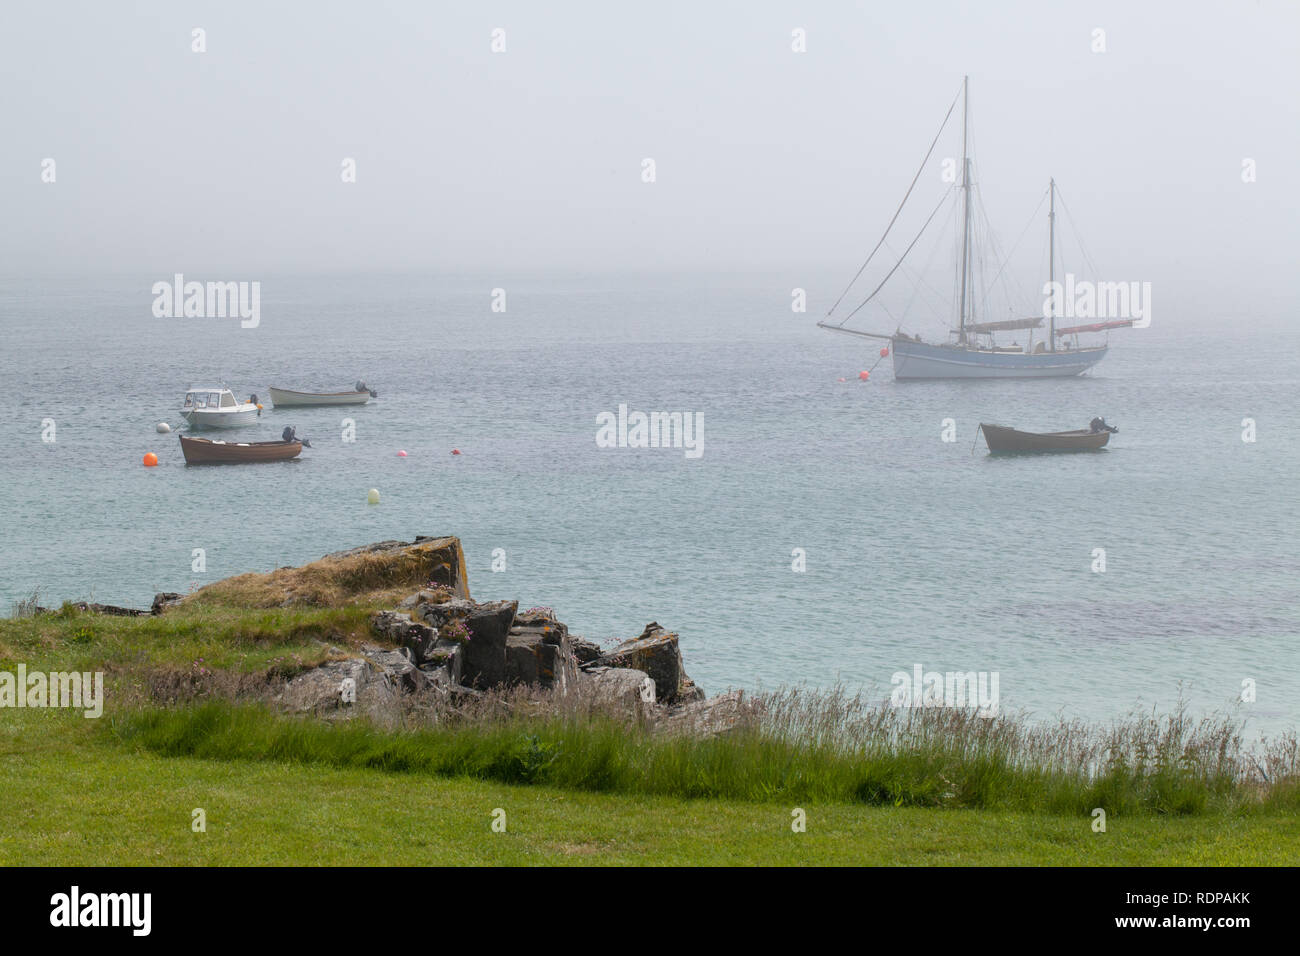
{"x": 281, "y": 397}
{"x": 216, "y": 407}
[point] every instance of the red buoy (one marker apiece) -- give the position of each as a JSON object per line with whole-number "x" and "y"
{"x": 884, "y": 352}
{"x": 455, "y": 451}
{"x": 864, "y": 375}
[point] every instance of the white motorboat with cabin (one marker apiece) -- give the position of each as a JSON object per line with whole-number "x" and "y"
{"x": 217, "y": 407}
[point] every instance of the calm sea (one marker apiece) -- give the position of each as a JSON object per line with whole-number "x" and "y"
{"x": 917, "y": 550}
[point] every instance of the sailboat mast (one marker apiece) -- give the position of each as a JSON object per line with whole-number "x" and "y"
{"x": 965, "y": 186}
{"x": 1051, "y": 264}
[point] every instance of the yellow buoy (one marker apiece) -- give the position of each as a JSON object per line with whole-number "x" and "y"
{"x": 372, "y": 496}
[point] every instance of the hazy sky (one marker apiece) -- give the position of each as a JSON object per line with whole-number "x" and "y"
{"x": 226, "y": 164}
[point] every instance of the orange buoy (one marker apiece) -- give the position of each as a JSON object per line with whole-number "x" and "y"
{"x": 150, "y": 459}
{"x": 864, "y": 375}
{"x": 455, "y": 451}
{"x": 884, "y": 352}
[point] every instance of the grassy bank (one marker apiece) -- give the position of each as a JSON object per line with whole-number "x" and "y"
{"x": 751, "y": 764}
{"x": 219, "y": 636}
{"x": 72, "y": 796}
{"x": 582, "y": 784}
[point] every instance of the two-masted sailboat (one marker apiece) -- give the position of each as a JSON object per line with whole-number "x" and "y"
{"x": 972, "y": 350}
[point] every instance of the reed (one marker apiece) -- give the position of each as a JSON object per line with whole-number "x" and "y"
{"x": 790, "y": 746}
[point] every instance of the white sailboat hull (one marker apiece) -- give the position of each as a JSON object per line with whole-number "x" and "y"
{"x": 920, "y": 360}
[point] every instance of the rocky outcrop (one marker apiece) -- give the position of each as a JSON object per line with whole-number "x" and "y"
{"x": 419, "y": 638}
{"x": 368, "y": 573}
{"x": 704, "y": 717}
{"x": 437, "y": 641}
{"x": 440, "y": 641}
{"x": 398, "y": 665}
{"x": 539, "y": 651}
{"x": 584, "y": 652}
{"x": 343, "y": 689}
{"x": 624, "y": 685}
{"x": 440, "y": 660}
{"x": 688, "y": 692}
{"x": 656, "y": 652}
{"x": 460, "y": 643}
{"x": 163, "y": 600}
{"x": 481, "y": 630}
{"x": 88, "y": 607}
{"x": 428, "y": 560}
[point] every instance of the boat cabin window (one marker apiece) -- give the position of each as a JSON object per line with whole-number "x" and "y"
{"x": 189, "y": 399}
{"x": 227, "y": 400}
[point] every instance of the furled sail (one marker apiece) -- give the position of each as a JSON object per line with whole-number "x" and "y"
{"x": 1096, "y": 327}
{"x": 1006, "y": 325}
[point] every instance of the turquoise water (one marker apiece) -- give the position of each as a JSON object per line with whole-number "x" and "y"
{"x": 918, "y": 551}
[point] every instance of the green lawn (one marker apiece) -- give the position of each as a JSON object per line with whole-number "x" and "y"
{"x": 85, "y": 792}
{"x": 76, "y": 797}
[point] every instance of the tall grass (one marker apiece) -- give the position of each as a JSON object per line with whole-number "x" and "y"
{"x": 791, "y": 746}
{"x": 26, "y": 607}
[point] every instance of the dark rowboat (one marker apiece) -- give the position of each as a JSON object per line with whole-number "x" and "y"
{"x": 1003, "y": 440}
{"x": 204, "y": 451}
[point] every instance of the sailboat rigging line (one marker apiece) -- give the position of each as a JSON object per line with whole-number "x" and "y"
{"x": 910, "y": 245}
{"x": 995, "y": 254}
{"x": 920, "y": 283}
{"x": 1016, "y": 245}
{"x": 915, "y": 178}
{"x": 1078, "y": 236}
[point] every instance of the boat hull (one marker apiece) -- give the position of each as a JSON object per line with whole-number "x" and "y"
{"x": 281, "y": 397}
{"x": 219, "y": 418}
{"x": 204, "y": 451}
{"x": 918, "y": 361}
{"x": 1002, "y": 440}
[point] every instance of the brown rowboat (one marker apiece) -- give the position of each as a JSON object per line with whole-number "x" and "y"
{"x": 205, "y": 451}
{"x": 1003, "y": 440}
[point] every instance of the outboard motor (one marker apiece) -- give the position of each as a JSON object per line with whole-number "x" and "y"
{"x": 361, "y": 386}
{"x": 289, "y": 434}
{"x": 1099, "y": 425}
